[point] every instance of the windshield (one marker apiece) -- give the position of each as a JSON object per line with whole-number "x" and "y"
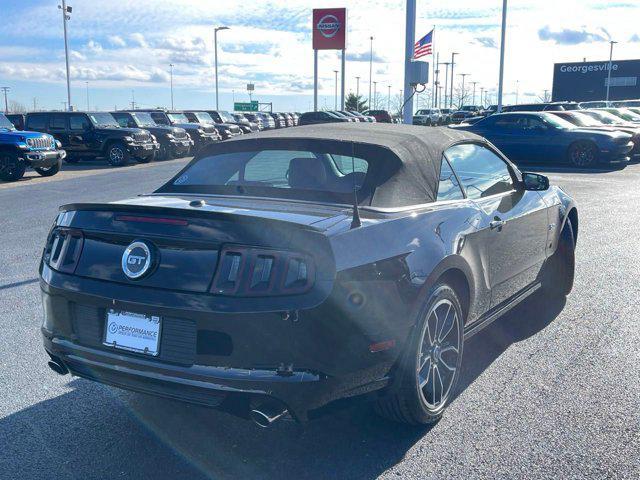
{"x": 585, "y": 120}
{"x": 557, "y": 121}
{"x": 275, "y": 174}
{"x": 468, "y": 108}
{"x": 178, "y": 118}
{"x": 605, "y": 117}
{"x": 103, "y": 120}
{"x": 203, "y": 117}
{"x": 626, "y": 114}
{"x": 143, "y": 120}
{"x": 423, "y": 112}
{"x": 225, "y": 116}
{"x": 5, "y": 123}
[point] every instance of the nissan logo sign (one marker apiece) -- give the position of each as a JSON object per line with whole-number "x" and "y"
{"x": 136, "y": 260}
{"x": 328, "y": 26}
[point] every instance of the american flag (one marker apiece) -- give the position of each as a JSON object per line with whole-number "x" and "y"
{"x": 423, "y": 46}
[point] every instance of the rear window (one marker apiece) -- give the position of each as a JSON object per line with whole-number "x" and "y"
{"x": 275, "y": 173}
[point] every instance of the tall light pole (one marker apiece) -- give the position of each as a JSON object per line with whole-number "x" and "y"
{"x": 517, "y": 90}
{"x": 389, "y": 99}
{"x": 6, "y": 102}
{"x": 336, "y": 91}
{"x": 474, "y": 92}
{"x": 453, "y": 63}
{"x": 462, "y": 94}
{"x": 481, "y": 96}
{"x": 375, "y": 94}
{"x": 66, "y": 10}
{"x": 358, "y": 87}
{"x": 87, "y": 85}
{"x": 502, "y": 46}
{"x": 215, "y": 47}
{"x": 406, "y": 109}
{"x": 171, "y": 82}
{"x": 446, "y": 81}
{"x": 609, "y": 74}
{"x": 370, "y": 69}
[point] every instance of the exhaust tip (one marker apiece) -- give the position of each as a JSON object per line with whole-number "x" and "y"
{"x": 58, "y": 367}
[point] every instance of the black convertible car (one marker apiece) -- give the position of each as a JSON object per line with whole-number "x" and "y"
{"x": 284, "y": 271}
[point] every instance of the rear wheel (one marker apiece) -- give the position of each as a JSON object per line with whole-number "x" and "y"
{"x": 117, "y": 154}
{"x": 71, "y": 159}
{"x": 583, "y": 154}
{"x": 48, "y": 171}
{"x": 12, "y": 168}
{"x": 559, "y": 269}
{"x": 432, "y": 363}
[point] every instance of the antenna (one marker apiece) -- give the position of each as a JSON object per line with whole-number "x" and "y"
{"x": 355, "y": 222}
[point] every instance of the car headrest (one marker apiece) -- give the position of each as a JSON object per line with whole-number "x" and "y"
{"x": 307, "y": 173}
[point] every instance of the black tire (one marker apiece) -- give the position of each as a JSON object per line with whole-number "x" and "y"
{"x": 145, "y": 159}
{"x": 12, "y": 168}
{"x": 559, "y": 269}
{"x": 164, "y": 153}
{"x": 583, "y": 154}
{"x": 117, "y": 154}
{"x": 71, "y": 159}
{"x": 48, "y": 171}
{"x": 408, "y": 402}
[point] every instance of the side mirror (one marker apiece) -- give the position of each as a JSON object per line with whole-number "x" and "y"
{"x": 534, "y": 181}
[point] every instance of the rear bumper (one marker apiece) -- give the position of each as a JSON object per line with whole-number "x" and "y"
{"x": 44, "y": 159}
{"x": 292, "y": 362}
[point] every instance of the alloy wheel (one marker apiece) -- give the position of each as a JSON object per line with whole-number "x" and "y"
{"x": 116, "y": 154}
{"x": 439, "y": 353}
{"x": 582, "y": 155}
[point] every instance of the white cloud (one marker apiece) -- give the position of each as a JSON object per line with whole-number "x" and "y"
{"x": 116, "y": 41}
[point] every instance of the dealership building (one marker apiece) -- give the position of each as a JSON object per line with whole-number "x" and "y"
{"x": 584, "y": 81}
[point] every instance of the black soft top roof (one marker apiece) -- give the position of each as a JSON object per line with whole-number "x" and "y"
{"x": 406, "y": 158}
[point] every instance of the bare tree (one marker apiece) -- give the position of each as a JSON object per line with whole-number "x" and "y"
{"x": 16, "y": 107}
{"x": 460, "y": 96}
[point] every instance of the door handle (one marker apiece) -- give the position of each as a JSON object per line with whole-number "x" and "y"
{"x": 497, "y": 223}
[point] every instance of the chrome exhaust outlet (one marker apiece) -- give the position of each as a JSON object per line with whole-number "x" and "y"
{"x": 265, "y": 414}
{"x": 57, "y": 366}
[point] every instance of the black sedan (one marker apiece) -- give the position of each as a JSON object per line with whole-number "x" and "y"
{"x": 283, "y": 272}
{"x": 544, "y": 137}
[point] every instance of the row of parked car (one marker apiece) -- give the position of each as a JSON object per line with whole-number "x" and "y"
{"x": 42, "y": 140}
{"x": 582, "y": 137}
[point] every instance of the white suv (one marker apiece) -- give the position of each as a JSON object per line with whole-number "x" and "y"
{"x": 429, "y": 116}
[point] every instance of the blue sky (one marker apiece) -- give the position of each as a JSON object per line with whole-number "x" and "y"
{"x": 123, "y": 49}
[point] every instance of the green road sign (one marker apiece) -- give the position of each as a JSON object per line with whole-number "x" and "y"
{"x": 246, "y": 106}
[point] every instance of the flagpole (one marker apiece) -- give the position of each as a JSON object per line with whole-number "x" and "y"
{"x": 433, "y": 69}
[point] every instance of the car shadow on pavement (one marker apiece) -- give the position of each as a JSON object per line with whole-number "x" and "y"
{"x": 94, "y": 431}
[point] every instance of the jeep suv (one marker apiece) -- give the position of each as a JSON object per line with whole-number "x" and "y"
{"x": 19, "y": 150}
{"x": 174, "y": 141}
{"x": 220, "y": 116}
{"x": 202, "y": 135}
{"x": 94, "y": 134}
{"x": 226, "y": 130}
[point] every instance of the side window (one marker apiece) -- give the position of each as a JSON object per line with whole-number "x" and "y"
{"x": 36, "y": 122}
{"x": 507, "y": 121}
{"x": 481, "y": 172}
{"x": 78, "y": 122}
{"x": 345, "y": 165}
{"x": 58, "y": 122}
{"x": 159, "y": 118}
{"x": 123, "y": 120}
{"x": 448, "y": 187}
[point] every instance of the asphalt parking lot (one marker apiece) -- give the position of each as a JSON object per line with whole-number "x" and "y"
{"x": 549, "y": 391}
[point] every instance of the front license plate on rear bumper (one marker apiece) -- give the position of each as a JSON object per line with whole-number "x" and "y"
{"x": 133, "y": 331}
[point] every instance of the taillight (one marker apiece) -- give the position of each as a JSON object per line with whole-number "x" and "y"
{"x": 248, "y": 271}
{"x": 63, "y": 249}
